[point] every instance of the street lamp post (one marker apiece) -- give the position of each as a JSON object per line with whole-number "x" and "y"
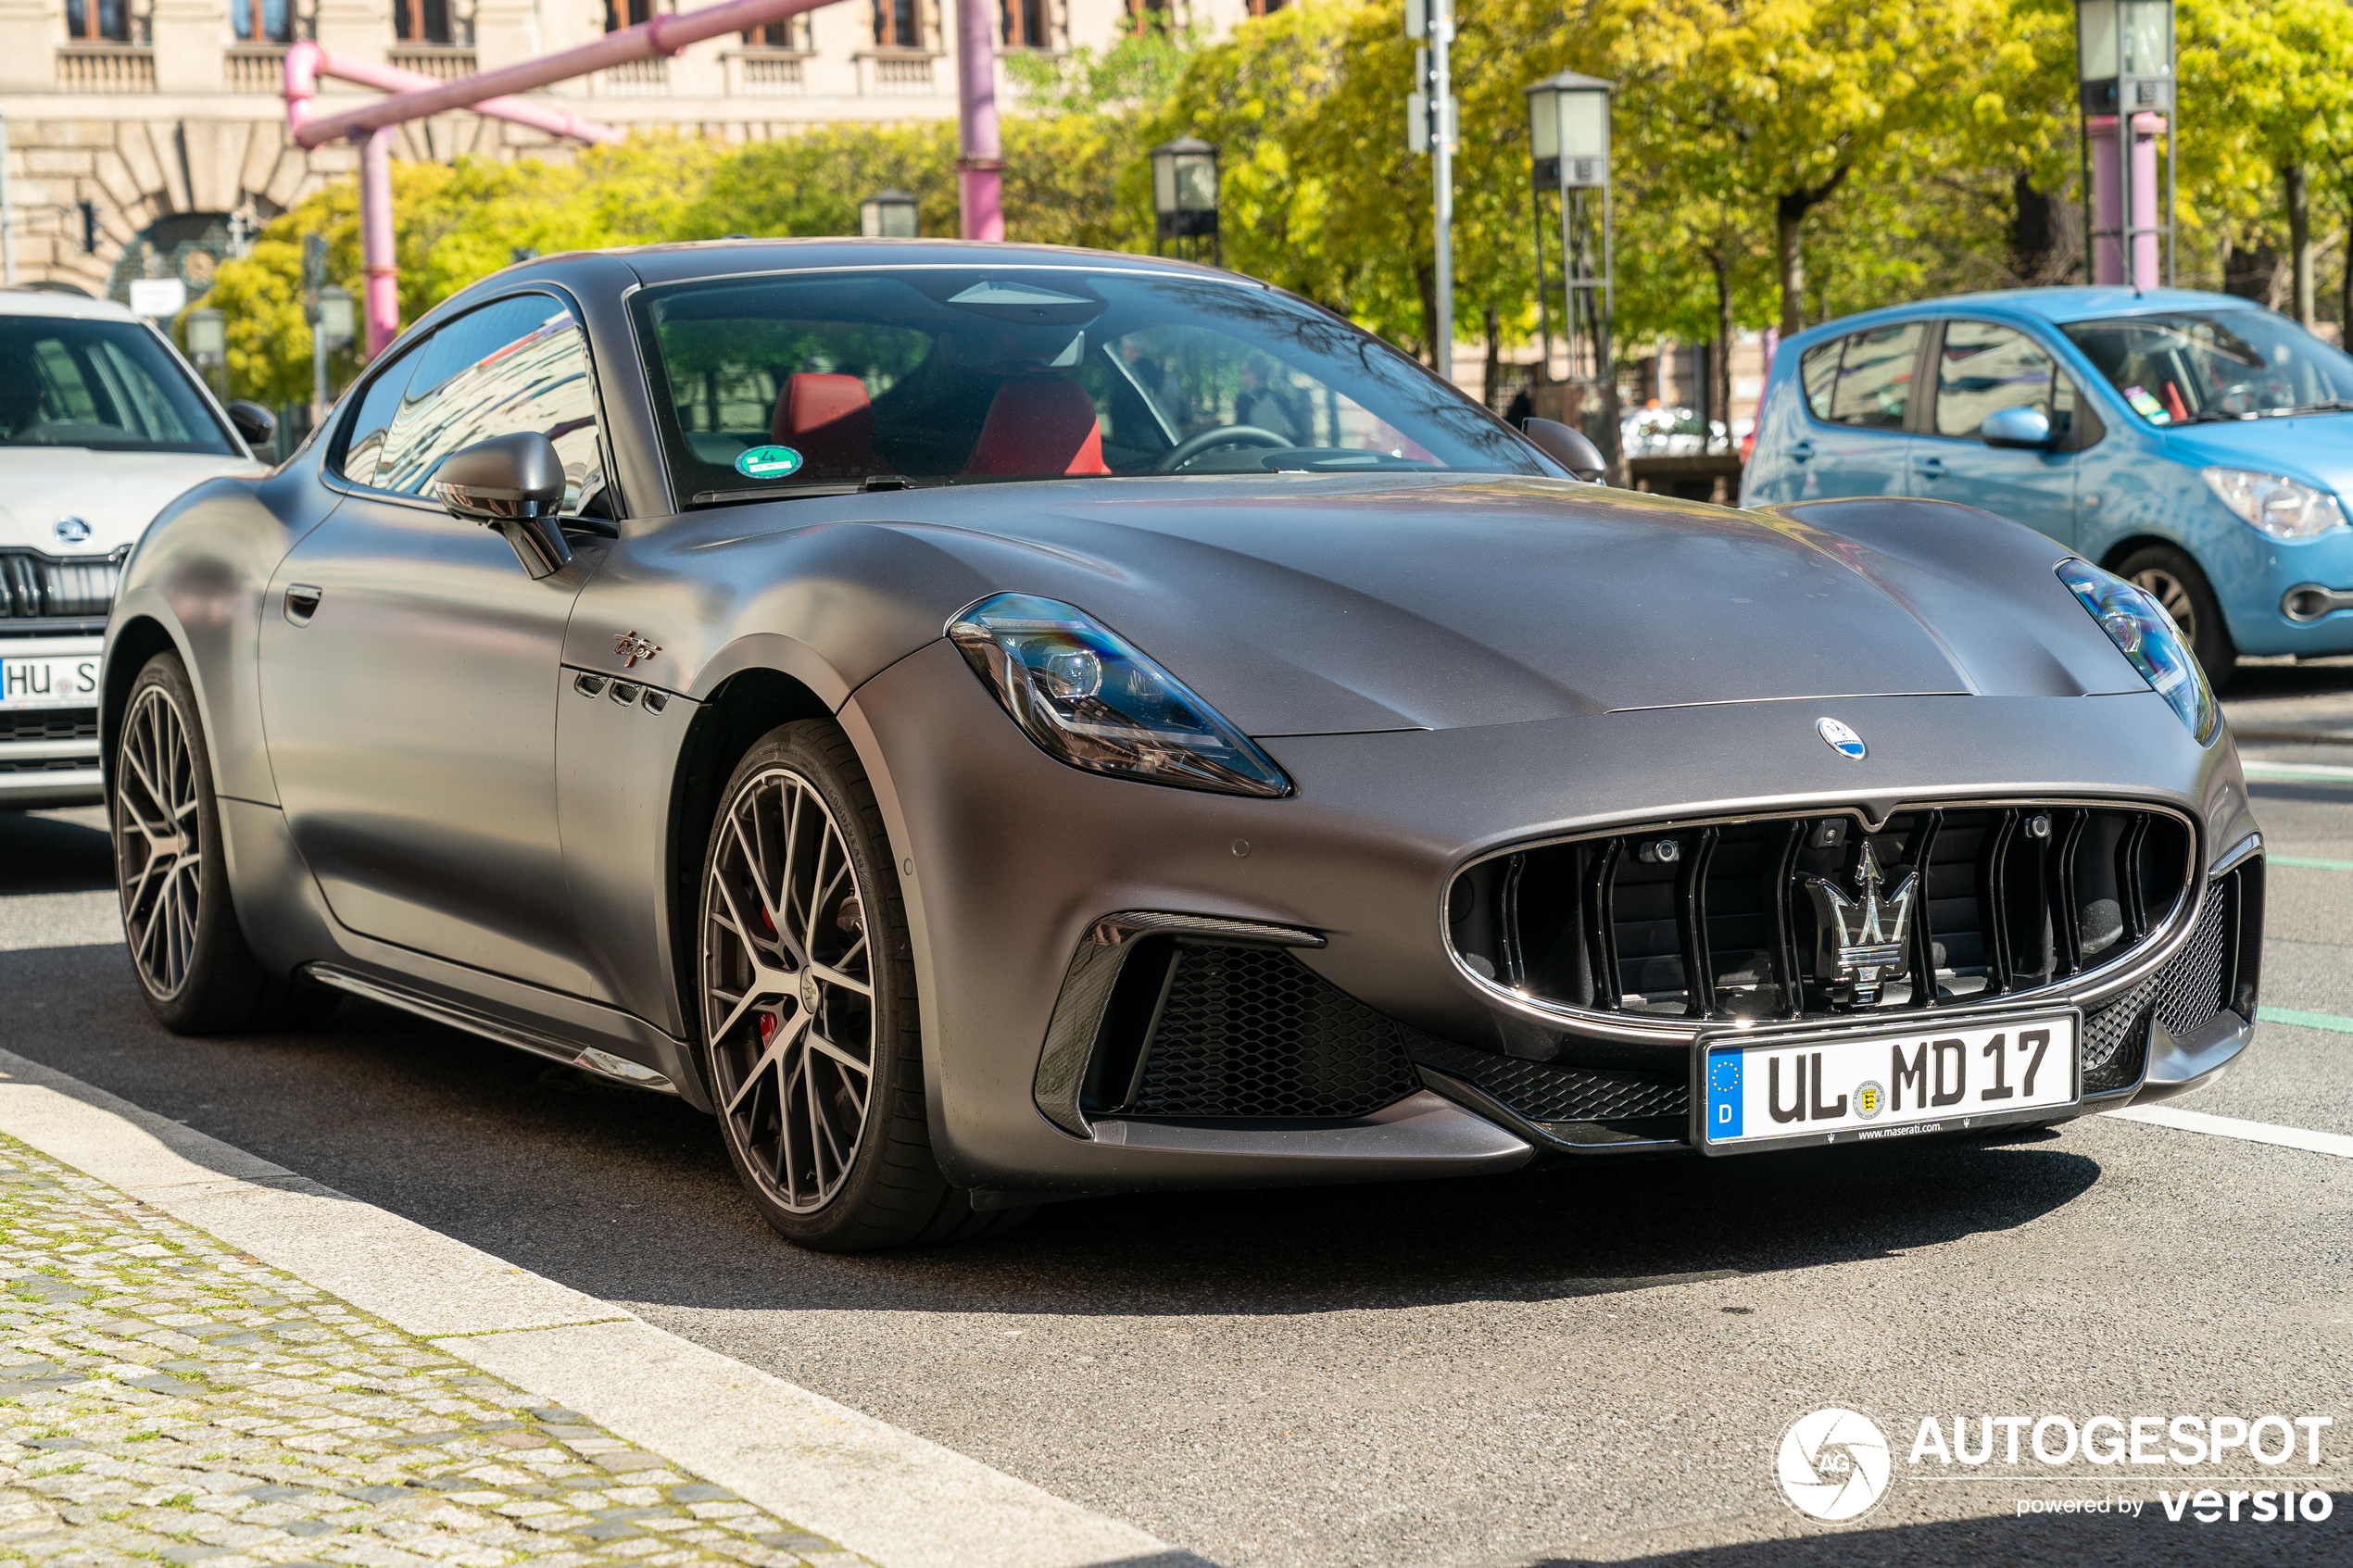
{"x": 2124, "y": 59}
{"x": 1429, "y": 111}
{"x": 1568, "y": 155}
{"x": 208, "y": 345}
{"x": 889, "y": 215}
{"x": 1185, "y": 195}
{"x": 333, "y": 326}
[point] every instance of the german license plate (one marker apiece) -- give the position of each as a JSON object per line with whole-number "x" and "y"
{"x": 50, "y": 681}
{"x": 1851, "y": 1085}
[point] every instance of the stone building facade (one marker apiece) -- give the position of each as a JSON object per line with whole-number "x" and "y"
{"x": 146, "y": 137}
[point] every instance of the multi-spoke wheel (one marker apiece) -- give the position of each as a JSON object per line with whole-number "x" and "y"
{"x": 197, "y": 973}
{"x": 2175, "y": 582}
{"x": 809, "y": 1005}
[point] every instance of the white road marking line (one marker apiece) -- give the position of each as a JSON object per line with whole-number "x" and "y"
{"x": 897, "y": 1499}
{"x": 2318, "y": 771}
{"x": 2232, "y": 1127}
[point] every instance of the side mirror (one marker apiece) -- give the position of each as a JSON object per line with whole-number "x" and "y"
{"x": 2017, "y": 427}
{"x": 256, "y": 423}
{"x": 1568, "y": 447}
{"x": 514, "y": 483}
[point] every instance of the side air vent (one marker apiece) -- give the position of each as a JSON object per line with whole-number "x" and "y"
{"x": 1799, "y": 917}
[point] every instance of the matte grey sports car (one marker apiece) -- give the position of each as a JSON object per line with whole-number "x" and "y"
{"x": 995, "y": 724}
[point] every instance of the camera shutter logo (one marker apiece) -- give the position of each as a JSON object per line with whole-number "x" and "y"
{"x": 1834, "y": 1464}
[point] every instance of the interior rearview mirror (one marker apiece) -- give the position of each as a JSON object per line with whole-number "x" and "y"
{"x": 2017, "y": 427}
{"x": 1568, "y": 447}
{"x": 514, "y": 483}
{"x": 256, "y": 423}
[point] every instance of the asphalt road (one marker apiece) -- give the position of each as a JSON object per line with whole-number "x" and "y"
{"x": 1553, "y": 1367}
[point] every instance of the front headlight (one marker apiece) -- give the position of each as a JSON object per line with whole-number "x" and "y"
{"x": 2144, "y": 634}
{"x": 1089, "y": 698}
{"x": 2283, "y": 507}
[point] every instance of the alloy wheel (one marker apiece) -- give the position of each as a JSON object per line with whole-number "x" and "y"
{"x": 158, "y": 840}
{"x": 2173, "y": 593}
{"x": 789, "y": 1000}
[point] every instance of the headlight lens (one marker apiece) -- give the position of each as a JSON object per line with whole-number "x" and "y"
{"x": 1091, "y": 699}
{"x": 2283, "y": 507}
{"x": 2144, "y": 634}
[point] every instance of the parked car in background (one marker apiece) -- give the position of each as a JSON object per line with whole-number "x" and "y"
{"x": 2195, "y": 444}
{"x": 102, "y": 424}
{"x": 1658, "y": 432}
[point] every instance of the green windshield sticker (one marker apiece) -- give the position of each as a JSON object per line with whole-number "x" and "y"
{"x": 767, "y": 462}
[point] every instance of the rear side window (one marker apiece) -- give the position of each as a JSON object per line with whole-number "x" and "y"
{"x": 518, "y": 364}
{"x": 1874, "y": 385}
{"x": 363, "y": 439}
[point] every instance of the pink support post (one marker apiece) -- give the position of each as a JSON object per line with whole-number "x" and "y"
{"x": 381, "y": 298}
{"x": 980, "y": 161}
{"x": 2107, "y": 201}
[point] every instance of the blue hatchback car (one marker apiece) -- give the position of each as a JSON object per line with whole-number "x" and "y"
{"x": 2197, "y": 444}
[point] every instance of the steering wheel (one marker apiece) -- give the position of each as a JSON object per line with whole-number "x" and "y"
{"x": 1193, "y": 447}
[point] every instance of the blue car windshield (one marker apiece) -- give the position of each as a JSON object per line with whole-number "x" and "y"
{"x": 959, "y": 375}
{"x": 2199, "y": 367}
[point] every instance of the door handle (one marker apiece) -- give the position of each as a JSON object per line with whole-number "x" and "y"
{"x": 1801, "y": 451}
{"x": 1931, "y": 467}
{"x": 302, "y": 603}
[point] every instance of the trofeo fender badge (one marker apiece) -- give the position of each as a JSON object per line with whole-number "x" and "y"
{"x": 634, "y": 647}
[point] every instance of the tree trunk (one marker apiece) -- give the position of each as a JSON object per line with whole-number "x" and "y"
{"x": 2250, "y": 272}
{"x": 1494, "y": 373}
{"x": 1788, "y": 254}
{"x": 1719, "y": 362}
{"x": 2038, "y": 234}
{"x": 2299, "y": 243}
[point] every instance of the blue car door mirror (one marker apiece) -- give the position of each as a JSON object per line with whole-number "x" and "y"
{"x": 2017, "y": 427}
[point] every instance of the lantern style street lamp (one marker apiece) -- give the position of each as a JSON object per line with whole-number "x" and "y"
{"x": 1568, "y": 155}
{"x": 1185, "y": 193}
{"x": 208, "y": 342}
{"x": 2124, "y": 63}
{"x": 887, "y": 215}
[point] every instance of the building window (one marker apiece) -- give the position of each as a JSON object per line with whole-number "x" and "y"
{"x": 627, "y": 13}
{"x": 1025, "y": 25}
{"x": 1149, "y": 16}
{"x": 98, "y": 21}
{"x": 422, "y": 22}
{"x": 785, "y": 35}
{"x": 263, "y": 21}
{"x": 899, "y": 24}
{"x": 1265, "y": 7}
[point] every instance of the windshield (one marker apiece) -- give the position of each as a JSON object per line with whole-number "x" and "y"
{"x": 2191, "y": 369}
{"x": 109, "y": 385}
{"x": 960, "y": 374}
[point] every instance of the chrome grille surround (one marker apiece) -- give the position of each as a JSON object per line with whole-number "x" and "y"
{"x": 1483, "y": 917}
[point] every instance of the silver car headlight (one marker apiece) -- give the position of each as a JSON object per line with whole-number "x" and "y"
{"x": 2146, "y": 636}
{"x": 1089, "y": 698}
{"x": 2281, "y": 507}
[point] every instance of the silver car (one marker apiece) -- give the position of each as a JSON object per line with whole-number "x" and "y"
{"x": 998, "y": 724}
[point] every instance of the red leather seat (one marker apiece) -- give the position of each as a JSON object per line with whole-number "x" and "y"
{"x": 1039, "y": 424}
{"x": 829, "y": 421}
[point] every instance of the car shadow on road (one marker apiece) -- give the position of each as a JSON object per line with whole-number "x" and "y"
{"x": 55, "y": 852}
{"x": 2104, "y": 1538}
{"x": 628, "y": 1196}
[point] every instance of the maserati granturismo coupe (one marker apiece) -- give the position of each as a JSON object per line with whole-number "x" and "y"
{"x": 994, "y": 724}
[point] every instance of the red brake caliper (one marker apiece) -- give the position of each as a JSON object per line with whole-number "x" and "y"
{"x": 768, "y": 1027}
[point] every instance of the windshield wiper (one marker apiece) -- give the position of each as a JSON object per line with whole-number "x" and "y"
{"x": 797, "y": 492}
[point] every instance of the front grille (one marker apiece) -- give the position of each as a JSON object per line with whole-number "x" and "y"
{"x": 1244, "y": 1031}
{"x": 1548, "y": 1092}
{"x": 45, "y": 764}
{"x": 2192, "y": 988}
{"x": 51, "y": 724}
{"x": 38, "y": 587}
{"x": 1718, "y": 920}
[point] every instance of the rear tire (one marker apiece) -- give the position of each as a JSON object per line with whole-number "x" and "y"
{"x": 2181, "y": 587}
{"x": 807, "y": 1009}
{"x": 195, "y": 969}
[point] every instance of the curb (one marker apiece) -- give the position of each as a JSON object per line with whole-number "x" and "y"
{"x": 897, "y": 1499}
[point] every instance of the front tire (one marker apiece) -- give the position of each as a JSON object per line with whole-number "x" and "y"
{"x": 195, "y": 969}
{"x": 2176, "y": 582}
{"x": 808, "y": 1010}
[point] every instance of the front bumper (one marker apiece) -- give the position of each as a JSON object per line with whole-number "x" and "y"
{"x": 50, "y": 756}
{"x": 1010, "y": 862}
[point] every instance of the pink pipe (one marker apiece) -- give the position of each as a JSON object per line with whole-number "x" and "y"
{"x": 382, "y": 296}
{"x": 662, "y": 36}
{"x": 980, "y": 160}
{"x": 2107, "y": 201}
{"x": 306, "y": 62}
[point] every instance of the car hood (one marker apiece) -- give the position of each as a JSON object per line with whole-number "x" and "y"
{"x": 1322, "y": 605}
{"x": 117, "y": 493}
{"x": 2316, "y": 448}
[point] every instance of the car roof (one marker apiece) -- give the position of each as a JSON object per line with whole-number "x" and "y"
{"x": 680, "y": 260}
{"x": 49, "y": 302}
{"x": 2052, "y": 305}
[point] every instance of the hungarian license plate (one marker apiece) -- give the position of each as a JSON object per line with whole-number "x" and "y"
{"x": 1834, "y": 1086}
{"x": 49, "y": 681}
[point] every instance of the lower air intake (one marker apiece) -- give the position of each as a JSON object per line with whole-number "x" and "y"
{"x": 1251, "y": 1032}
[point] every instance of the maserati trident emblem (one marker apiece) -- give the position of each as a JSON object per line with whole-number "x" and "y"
{"x": 1841, "y": 739}
{"x": 634, "y": 647}
{"x": 1859, "y": 943}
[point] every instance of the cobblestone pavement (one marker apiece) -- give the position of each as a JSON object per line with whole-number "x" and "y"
{"x": 167, "y": 1399}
